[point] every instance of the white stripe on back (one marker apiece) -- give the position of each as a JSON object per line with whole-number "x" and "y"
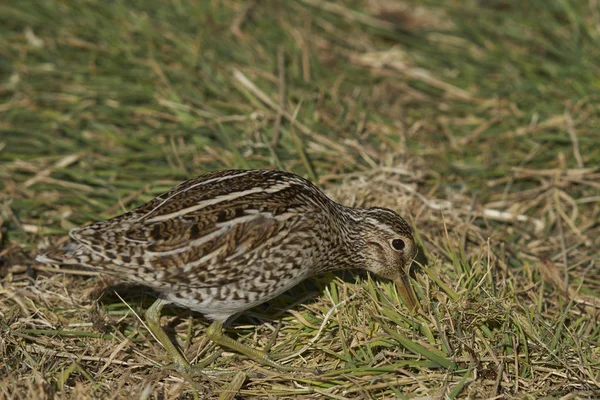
{"x": 204, "y": 204}
{"x": 217, "y": 179}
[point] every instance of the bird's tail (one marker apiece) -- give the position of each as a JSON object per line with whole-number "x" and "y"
{"x": 71, "y": 254}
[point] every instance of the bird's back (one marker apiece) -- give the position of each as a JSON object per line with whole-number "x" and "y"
{"x": 203, "y": 232}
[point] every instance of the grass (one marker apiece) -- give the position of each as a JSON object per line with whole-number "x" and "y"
{"x": 476, "y": 120}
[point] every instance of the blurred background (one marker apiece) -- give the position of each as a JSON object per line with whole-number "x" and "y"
{"x": 477, "y": 120}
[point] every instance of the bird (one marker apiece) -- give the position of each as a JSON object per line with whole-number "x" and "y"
{"x": 226, "y": 241}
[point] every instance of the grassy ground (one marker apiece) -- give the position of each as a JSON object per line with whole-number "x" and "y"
{"x": 477, "y": 120}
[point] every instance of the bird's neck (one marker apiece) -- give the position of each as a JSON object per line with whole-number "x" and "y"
{"x": 344, "y": 248}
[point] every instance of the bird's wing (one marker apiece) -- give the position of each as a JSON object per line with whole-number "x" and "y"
{"x": 200, "y": 244}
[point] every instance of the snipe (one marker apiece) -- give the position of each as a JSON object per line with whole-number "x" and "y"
{"x": 226, "y": 241}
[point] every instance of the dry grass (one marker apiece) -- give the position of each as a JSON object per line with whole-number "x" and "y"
{"x": 479, "y": 123}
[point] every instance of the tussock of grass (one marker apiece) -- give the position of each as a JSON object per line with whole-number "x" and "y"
{"x": 478, "y": 121}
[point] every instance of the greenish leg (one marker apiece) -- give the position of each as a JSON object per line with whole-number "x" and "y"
{"x": 180, "y": 363}
{"x": 216, "y": 334}
{"x": 153, "y": 322}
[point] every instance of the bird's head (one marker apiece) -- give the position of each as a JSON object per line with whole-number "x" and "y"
{"x": 389, "y": 248}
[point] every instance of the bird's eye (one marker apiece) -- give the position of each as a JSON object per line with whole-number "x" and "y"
{"x": 398, "y": 244}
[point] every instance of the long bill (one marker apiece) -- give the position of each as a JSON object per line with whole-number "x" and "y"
{"x": 407, "y": 293}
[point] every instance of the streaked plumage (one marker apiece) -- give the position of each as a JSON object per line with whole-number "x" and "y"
{"x": 226, "y": 241}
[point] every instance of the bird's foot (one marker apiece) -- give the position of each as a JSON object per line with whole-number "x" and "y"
{"x": 215, "y": 333}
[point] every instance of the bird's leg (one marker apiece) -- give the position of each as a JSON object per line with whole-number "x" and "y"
{"x": 215, "y": 333}
{"x": 153, "y": 322}
{"x": 180, "y": 363}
